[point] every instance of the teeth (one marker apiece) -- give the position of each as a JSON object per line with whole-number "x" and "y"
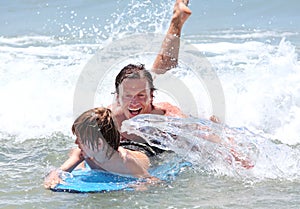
{"x": 134, "y": 109}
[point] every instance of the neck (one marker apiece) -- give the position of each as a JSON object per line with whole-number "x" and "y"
{"x": 113, "y": 164}
{"x": 102, "y": 160}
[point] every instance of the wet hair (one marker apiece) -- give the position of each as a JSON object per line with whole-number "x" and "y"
{"x": 134, "y": 72}
{"x": 94, "y": 124}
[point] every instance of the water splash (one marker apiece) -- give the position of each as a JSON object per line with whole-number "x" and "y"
{"x": 38, "y": 73}
{"x": 217, "y": 148}
{"x": 135, "y": 16}
{"x": 260, "y": 82}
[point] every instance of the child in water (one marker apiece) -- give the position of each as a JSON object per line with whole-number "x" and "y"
{"x": 98, "y": 141}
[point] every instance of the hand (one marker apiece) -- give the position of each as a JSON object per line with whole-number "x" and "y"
{"x": 52, "y": 179}
{"x": 243, "y": 160}
{"x": 143, "y": 186}
{"x": 214, "y": 119}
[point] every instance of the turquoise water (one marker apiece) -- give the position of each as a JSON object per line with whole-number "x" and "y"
{"x": 253, "y": 46}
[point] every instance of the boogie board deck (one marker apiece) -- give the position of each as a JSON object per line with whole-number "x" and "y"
{"x": 91, "y": 181}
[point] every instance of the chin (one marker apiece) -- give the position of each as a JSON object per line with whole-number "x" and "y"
{"x": 132, "y": 116}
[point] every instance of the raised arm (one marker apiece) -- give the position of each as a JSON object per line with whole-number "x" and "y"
{"x": 167, "y": 58}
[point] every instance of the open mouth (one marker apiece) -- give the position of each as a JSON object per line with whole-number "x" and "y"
{"x": 135, "y": 111}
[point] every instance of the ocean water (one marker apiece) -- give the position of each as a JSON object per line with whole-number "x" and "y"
{"x": 252, "y": 48}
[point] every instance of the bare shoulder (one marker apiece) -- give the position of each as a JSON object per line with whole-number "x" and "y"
{"x": 138, "y": 158}
{"x": 75, "y": 152}
{"x": 169, "y": 109}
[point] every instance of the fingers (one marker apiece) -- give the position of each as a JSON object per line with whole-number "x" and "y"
{"x": 52, "y": 179}
{"x": 215, "y": 119}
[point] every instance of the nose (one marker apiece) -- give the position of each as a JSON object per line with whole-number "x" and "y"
{"x": 134, "y": 100}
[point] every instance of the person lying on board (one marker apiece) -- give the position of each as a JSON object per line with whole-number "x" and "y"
{"x": 98, "y": 141}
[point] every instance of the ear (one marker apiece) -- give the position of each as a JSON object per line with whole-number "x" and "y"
{"x": 118, "y": 99}
{"x": 151, "y": 96}
{"x": 100, "y": 144}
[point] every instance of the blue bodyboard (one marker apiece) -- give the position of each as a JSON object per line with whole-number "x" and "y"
{"x": 91, "y": 181}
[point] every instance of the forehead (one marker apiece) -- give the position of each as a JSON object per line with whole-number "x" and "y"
{"x": 134, "y": 84}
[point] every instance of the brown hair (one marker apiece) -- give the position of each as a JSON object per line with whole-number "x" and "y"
{"x": 96, "y": 123}
{"x": 134, "y": 71}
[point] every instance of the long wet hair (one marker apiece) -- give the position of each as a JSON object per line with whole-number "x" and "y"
{"x": 94, "y": 124}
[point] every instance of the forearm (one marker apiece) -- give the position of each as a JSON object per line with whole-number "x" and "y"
{"x": 75, "y": 158}
{"x": 167, "y": 57}
{"x": 70, "y": 165}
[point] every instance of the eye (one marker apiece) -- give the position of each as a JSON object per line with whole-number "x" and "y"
{"x": 141, "y": 95}
{"x": 127, "y": 96}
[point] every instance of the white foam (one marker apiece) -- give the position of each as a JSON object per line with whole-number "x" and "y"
{"x": 261, "y": 85}
{"x": 37, "y": 85}
{"x": 39, "y": 74}
{"x": 244, "y": 35}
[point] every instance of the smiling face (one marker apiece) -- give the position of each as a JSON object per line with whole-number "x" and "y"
{"x": 135, "y": 97}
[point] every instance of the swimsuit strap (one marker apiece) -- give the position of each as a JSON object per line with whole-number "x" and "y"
{"x": 141, "y": 147}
